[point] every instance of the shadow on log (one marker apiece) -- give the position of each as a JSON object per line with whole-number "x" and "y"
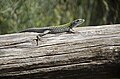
{"x": 90, "y": 53}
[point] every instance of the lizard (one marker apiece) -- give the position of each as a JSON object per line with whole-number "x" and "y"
{"x": 68, "y": 27}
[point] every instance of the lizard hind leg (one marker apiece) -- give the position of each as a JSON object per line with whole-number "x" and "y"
{"x": 44, "y": 33}
{"x": 40, "y": 35}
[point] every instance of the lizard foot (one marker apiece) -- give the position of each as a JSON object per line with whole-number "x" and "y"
{"x": 37, "y": 39}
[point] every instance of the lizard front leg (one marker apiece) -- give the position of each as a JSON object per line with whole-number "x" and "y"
{"x": 71, "y": 31}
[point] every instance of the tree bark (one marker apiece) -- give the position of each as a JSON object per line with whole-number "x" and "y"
{"x": 91, "y": 52}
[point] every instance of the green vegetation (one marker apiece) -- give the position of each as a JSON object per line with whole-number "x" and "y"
{"x": 16, "y": 15}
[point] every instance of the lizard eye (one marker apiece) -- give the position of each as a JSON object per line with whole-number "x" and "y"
{"x": 77, "y": 20}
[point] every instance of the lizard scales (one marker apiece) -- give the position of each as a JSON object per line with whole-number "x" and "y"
{"x": 52, "y": 29}
{"x": 57, "y": 29}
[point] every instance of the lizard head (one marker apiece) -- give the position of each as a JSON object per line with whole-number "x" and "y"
{"x": 76, "y": 23}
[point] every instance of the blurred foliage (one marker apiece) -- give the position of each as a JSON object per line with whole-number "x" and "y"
{"x": 16, "y": 15}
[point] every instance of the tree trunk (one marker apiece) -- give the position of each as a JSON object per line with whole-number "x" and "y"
{"x": 89, "y": 53}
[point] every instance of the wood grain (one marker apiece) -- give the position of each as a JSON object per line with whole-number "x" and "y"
{"x": 92, "y": 49}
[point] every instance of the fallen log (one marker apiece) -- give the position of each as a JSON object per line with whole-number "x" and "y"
{"x": 92, "y": 52}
